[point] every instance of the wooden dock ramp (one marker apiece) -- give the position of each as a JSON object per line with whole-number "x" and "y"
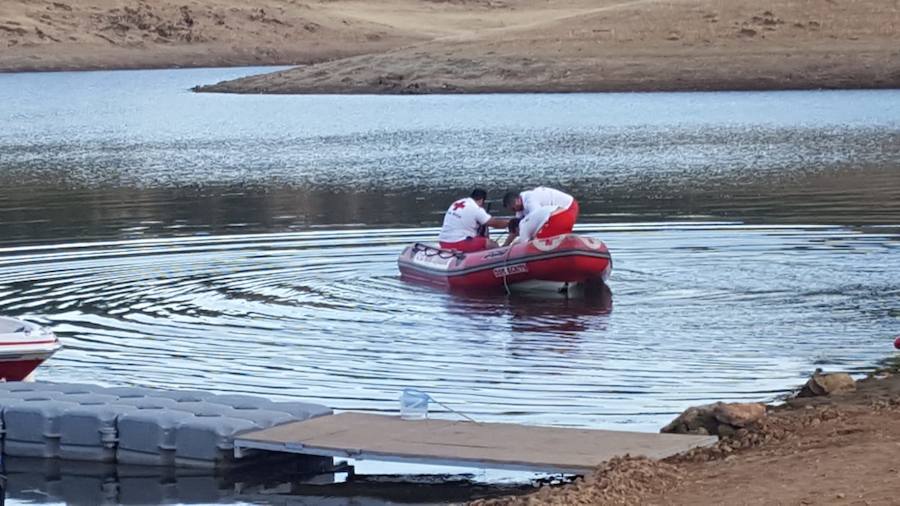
{"x": 446, "y": 442}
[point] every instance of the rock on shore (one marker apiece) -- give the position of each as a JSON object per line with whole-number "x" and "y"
{"x": 832, "y": 449}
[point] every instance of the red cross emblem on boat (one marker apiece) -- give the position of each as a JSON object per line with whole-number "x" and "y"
{"x": 550, "y": 243}
{"x": 459, "y": 205}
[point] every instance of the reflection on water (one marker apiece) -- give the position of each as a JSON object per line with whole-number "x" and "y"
{"x": 134, "y": 154}
{"x": 30, "y": 481}
{"x": 51, "y": 480}
{"x": 540, "y": 309}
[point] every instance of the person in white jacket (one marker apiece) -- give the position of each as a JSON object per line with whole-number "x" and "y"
{"x": 527, "y": 228}
{"x": 462, "y": 221}
{"x": 562, "y": 208}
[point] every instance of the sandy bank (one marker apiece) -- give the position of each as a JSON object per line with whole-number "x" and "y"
{"x": 117, "y": 34}
{"x": 457, "y": 46}
{"x": 630, "y": 45}
{"x": 840, "y": 449}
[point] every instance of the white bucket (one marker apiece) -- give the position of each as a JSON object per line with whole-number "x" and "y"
{"x": 413, "y": 404}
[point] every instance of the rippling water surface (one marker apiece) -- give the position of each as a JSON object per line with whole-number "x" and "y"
{"x": 697, "y": 312}
{"x": 248, "y": 243}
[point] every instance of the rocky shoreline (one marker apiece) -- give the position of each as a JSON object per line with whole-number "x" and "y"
{"x": 837, "y": 441}
{"x": 404, "y": 73}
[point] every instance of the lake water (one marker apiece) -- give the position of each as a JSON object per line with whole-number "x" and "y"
{"x": 248, "y": 243}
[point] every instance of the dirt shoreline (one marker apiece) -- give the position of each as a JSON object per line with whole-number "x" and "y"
{"x": 469, "y": 46}
{"x": 671, "y": 74}
{"x": 55, "y": 35}
{"x": 839, "y": 449}
{"x": 642, "y": 45}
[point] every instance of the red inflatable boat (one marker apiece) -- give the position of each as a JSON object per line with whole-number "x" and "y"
{"x": 564, "y": 259}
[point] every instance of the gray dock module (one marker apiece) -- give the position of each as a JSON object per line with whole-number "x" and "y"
{"x": 134, "y": 425}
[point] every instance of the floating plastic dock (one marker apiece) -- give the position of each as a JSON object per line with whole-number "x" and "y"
{"x": 444, "y": 442}
{"x": 196, "y": 429}
{"x": 131, "y": 425}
